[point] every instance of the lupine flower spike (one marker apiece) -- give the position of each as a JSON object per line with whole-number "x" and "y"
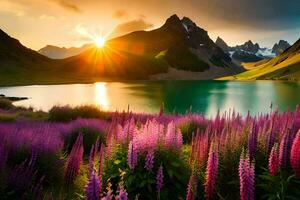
{"x": 159, "y": 180}
{"x": 211, "y": 171}
{"x": 295, "y": 155}
{"x": 274, "y": 161}
{"x": 192, "y": 188}
{"x": 92, "y": 188}
{"x": 74, "y": 160}
{"x": 246, "y": 174}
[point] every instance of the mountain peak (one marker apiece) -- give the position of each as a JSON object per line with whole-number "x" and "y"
{"x": 188, "y": 21}
{"x": 295, "y": 48}
{"x": 174, "y": 19}
{"x": 280, "y": 47}
{"x": 222, "y": 44}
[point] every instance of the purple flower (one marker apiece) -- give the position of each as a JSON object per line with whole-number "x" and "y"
{"x": 74, "y": 160}
{"x": 3, "y": 154}
{"x": 159, "y": 178}
{"x": 285, "y": 149}
{"x": 252, "y": 141}
{"x": 109, "y": 195}
{"x": 91, "y": 159}
{"x": 211, "y": 172}
{"x": 246, "y": 174}
{"x": 92, "y": 188}
{"x": 132, "y": 157}
{"x": 122, "y": 195}
{"x": 149, "y": 160}
{"x": 101, "y": 161}
{"x": 22, "y": 176}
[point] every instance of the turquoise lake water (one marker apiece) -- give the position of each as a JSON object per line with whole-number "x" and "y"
{"x": 206, "y": 97}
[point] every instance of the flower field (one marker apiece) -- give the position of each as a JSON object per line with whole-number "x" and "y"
{"x": 123, "y": 155}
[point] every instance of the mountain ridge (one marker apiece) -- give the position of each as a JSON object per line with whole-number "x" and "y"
{"x": 285, "y": 66}
{"x": 178, "y": 43}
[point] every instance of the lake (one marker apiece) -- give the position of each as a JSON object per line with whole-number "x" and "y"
{"x": 206, "y": 97}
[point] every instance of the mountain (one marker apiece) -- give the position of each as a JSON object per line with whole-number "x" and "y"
{"x": 245, "y": 53}
{"x": 223, "y": 45}
{"x": 285, "y": 66}
{"x": 248, "y": 46}
{"x": 181, "y": 43}
{"x": 177, "y": 45}
{"x": 55, "y": 52}
{"x": 14, "y": 54}
{"x": 279, "y": 47}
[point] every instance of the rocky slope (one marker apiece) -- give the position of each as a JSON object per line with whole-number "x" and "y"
{"x": 279, "y": 47}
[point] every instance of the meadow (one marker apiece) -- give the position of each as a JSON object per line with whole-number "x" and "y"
{"x": 85, "y": 153}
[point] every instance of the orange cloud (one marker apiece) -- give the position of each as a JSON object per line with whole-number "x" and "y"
{"x": 69, "y": 6}
{"x": 130, "y": 26}
{"x": 120, "y": 14}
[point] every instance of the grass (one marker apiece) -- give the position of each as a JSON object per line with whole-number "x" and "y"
{"x": 288, "y": 69}
{"x": 67, "y": 113}
{"x": 5, "y": 104}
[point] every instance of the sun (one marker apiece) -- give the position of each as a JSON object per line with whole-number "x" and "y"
{"x": 100, "y": 42}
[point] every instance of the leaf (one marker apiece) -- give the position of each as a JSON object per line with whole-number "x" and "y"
{"x": 117, "y": 162}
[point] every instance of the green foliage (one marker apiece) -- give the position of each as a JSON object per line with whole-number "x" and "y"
{"x": 282, "y": 186}
{"x": 6, "y": 104}
{"x": 142, "y": 183}
{"x": 90, "y": 136}
{"x": 188, "y": 129}
{"x": 67, "y": 113}
{"x": 8, "y": 117}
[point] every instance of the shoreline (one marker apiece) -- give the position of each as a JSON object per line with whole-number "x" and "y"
{"x": 92, "y": 81}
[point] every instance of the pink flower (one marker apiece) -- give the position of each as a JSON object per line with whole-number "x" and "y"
{"x": 192, "y": 188}
{"x": 122, "y": 195}
{"x": 274, "y": 161}
{"x": 285, "y": 149}
{"x": 74, "y": 160}
{"x": 246, "y": 174}
{"x": 211, "y": 172}
{"x": 295, "y": 155}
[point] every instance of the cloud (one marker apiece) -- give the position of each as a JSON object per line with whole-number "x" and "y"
{"x": 10, "y": 7}
{"x": 130, "y": 26}
{"x": 69, "y": 6}
{"x": 119, "y": 14}
{"x": 47, "y": 17}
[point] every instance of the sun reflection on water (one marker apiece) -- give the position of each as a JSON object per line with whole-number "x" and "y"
{"x": 101, "y": 97}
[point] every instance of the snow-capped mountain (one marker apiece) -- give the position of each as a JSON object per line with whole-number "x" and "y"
{"x": 251, "y": 52}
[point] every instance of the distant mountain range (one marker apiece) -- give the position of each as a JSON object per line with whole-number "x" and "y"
{"x": 55, "y": 52}
{"x": 250, "y": 52}
{"x": 285, "y": 66}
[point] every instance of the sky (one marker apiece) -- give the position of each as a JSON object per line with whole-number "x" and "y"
{"x": 37, "y": 23}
